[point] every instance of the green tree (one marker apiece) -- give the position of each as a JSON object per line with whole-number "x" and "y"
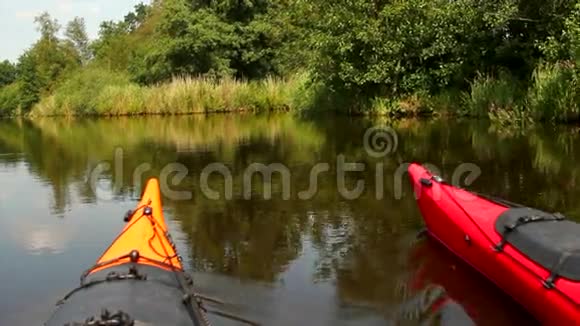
{"x": 76, "y": 34}
{"x": 119, "y": 42}
{"x": 565, "y": 44}
{"x": 10, "y": 99}
{"x": 7, "y": 73}
{"x": 235, "y": 11}
{"x": 43, "y": 66}
{"x": 188, "y": 42}
{"x": 391, "y": 48}
{"x": 135, "y": 19}
{"x": 111, "y": 49}
{"x": 214, "y": 38}
{"x": 52, "y": 57}
{"x": 30, "y": 82}
{"x": 48, "y": 27}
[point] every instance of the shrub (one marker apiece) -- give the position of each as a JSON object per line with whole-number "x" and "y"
{"x": 553, "y": 94}
{"x": 488, "y": 94}
{"x": 82, "y": 93}
{"x": 10, "y": 96}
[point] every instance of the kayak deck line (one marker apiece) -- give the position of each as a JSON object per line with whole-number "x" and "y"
{"x": 147, "y": 233}
{"x": 134, "y": 256}
{"x": 140, "y": 276}
{"x": 522, "y": 221}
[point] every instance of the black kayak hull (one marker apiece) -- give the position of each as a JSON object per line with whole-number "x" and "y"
{"x": 152, "y": 296}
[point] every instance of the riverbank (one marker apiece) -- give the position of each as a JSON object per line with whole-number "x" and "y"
{"x": 103, "y": 93}
{"x": 552, "y": 95}
{"x": 99, "y": 92}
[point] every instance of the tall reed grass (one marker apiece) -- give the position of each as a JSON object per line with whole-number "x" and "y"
{"x": 489, "y": 95}
{"x": 554, "y": 94}
{"x": 414, "y": 105}
{"x": 98, "y": 92}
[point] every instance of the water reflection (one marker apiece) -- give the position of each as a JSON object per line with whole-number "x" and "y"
{"x": 449, "y": 288}
{"x": 356, "y": 258}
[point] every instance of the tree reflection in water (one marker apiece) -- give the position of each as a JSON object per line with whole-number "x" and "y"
{"x": 361, "y": 247}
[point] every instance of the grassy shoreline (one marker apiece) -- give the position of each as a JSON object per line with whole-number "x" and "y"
{"x": 102, "y": 93}
{"x": 552, "y": 95}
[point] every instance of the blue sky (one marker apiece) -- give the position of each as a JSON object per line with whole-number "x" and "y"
{"x": 17, "y": 30}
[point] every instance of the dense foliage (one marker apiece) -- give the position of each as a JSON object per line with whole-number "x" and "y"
{"x": 7, "y": 73}
{"x": 362, "y": 54}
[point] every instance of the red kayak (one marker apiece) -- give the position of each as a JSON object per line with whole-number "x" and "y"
{"x": 532, "y": 255}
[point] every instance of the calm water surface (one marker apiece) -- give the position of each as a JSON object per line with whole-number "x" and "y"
{"x": 324, "y": 261}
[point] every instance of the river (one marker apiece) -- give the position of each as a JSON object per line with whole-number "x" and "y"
{"x": 328, "y": 256}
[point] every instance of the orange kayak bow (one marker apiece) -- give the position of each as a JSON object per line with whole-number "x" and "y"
{"x": 138, "y": 280}
{"x": 145, "y": 239}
